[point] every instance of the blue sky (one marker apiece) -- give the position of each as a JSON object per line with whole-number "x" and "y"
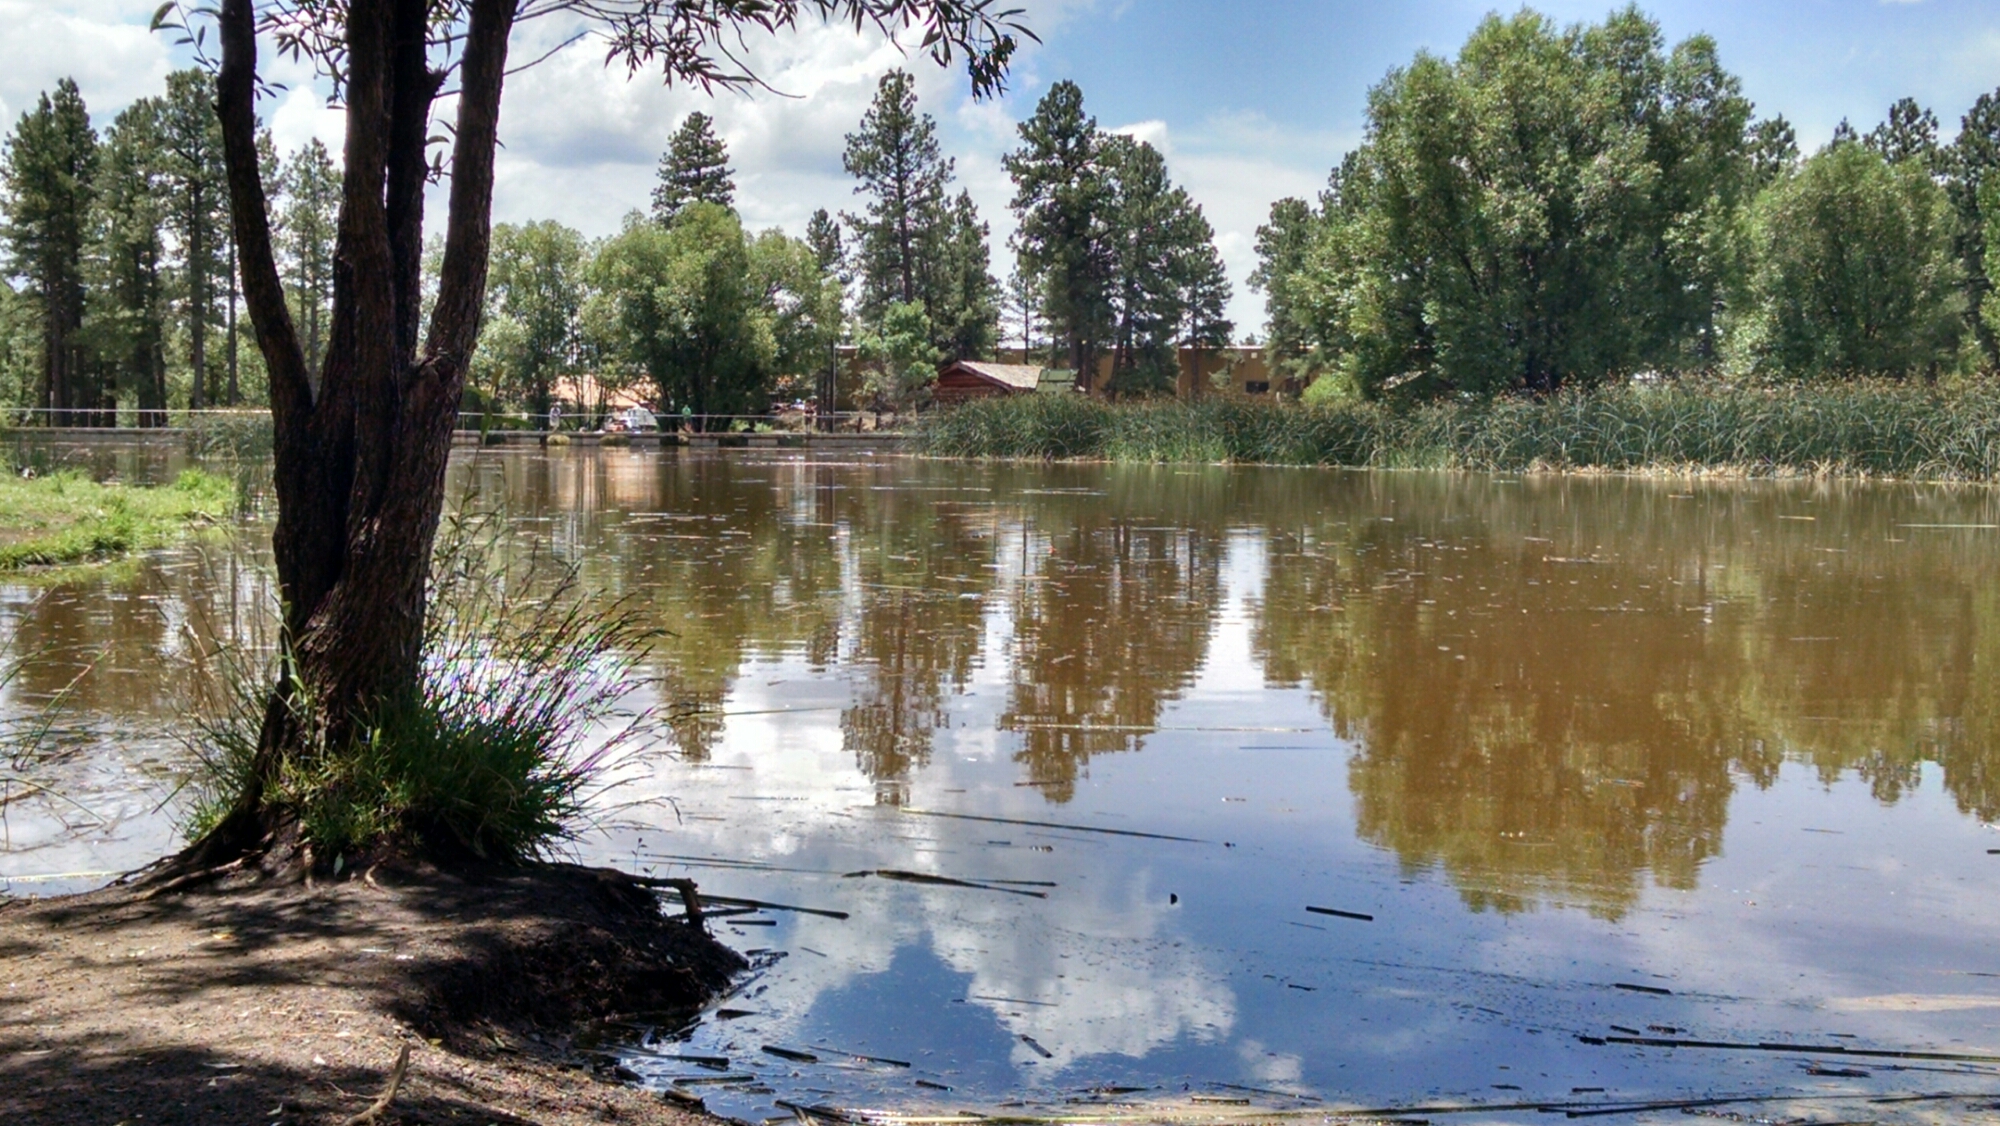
{"x": 1251, "y": 100}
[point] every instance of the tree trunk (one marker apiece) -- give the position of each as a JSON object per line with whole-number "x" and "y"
{"x": 197, "y": 250}
{"x": 360, "y": 457}
{"x": 235, "y": 395}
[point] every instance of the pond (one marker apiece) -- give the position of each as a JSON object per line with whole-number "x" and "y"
{"x": 1202, "y": 784}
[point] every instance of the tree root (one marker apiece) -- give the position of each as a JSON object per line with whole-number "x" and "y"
{"x": 388, "y": 1095}
{"x": 189, "y": 879}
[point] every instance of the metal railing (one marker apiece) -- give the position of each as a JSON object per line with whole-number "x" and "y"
{"x": 176, "y": 418}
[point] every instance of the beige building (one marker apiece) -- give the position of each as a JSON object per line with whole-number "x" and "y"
{"x": 1237, "y": 369}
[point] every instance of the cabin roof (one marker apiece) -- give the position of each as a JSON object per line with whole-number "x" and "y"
{"x": 1020, "y": 377}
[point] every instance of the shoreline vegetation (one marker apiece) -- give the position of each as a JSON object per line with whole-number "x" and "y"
{"x": 66, "y": 519}
{"x": 1861, "y": 430}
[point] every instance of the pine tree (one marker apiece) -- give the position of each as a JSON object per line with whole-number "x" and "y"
{"x": 126, "y": 309}
{"x": 694, "y": 169}
{"x": 1909, "y": 133}
{"x": 1021, "y": 310}
{"x": 1164, "y": 257}
{"x": 306, "y": 230}
{"x": 1061, "y": 196}
{"x": 1774, "y": 150}
{"x": 50, "y": 164}
{"x": 895, "y": 159}
{"x": 192, "y": 135}
{"x": 964, "y": 298}
{"x": 823, "y": 236}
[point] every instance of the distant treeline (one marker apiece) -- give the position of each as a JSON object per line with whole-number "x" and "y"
{"x": 119, "y": 258}
{"x": 1568, "y": 206}
{"x": 121, "y": 294}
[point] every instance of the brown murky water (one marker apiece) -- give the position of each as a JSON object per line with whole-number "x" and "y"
{"x": 1611, "y": 766}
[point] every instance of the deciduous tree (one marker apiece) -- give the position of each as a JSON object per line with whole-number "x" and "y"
{"x": 1552, "y": 207}
{"x": 359, "y": 468}
{"x": 688, "y": 310}
{"x": 535, "y": 293}
{"x": 1855, "y": 273}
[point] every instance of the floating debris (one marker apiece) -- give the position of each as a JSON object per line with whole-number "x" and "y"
{"x": 760, "y": 905}
{"x": 1053, "y": 825}
{"x": 947, "y": 881}
{"x": 1339, "y": 914}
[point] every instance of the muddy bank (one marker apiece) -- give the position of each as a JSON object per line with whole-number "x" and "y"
{"x": 290, "y": 1005}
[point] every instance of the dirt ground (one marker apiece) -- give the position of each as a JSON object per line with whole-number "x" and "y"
{"x": 290, "y": 1004}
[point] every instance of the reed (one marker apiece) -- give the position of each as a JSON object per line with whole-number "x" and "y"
{"x": 1849, "y": 429}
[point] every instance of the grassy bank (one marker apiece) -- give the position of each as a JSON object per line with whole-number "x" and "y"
{"x": 1847, "y": 430}
{"x": 67, "y": 518}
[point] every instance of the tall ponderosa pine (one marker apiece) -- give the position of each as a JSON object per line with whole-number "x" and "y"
{"x": 915, "y": 244}
{"x": 126, "y": 313}
{"x": 51, "y": 162}
{"x": 1060, "y": 198}
{"x": 694, "y": 169}
{"x": 964, "y": 305}
{"x": 1021, "y": 311}
{"x": 895, "y": 159}
{"x": 359, "y": 458}
{"x": 310, "y": 185}
{"x": 198, "y": 216}
{"x": 1168, "y": 279}
{"x": 1774, "y": 151}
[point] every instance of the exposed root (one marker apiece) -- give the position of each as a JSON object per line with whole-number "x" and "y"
{"x": 189, "y": 879}
{"x": 388, "y": 1095}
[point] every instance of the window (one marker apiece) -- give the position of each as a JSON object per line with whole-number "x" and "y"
{"x": 1257, "y": 387}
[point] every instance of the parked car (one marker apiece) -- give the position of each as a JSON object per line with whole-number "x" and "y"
{"x": 632, "y": 420}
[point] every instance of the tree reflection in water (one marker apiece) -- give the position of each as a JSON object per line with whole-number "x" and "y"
{"x": 1552, "y": 687}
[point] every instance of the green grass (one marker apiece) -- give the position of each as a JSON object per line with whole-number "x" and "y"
{"x": 67, "y": 519}
{"x": 1858, "y": 429}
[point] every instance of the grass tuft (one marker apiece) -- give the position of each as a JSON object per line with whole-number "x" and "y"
{"x": 517, "y": 725}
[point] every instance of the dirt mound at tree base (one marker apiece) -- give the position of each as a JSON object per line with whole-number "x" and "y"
{"x": 244, "y": 1004}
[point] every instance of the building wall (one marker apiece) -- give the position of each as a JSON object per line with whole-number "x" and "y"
{"x": 1238, "y": 370}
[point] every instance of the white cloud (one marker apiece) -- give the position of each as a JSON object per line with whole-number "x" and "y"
{"x": 103, "y": 44}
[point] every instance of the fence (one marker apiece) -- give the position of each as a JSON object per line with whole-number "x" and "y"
{"x": 126, "y": 418}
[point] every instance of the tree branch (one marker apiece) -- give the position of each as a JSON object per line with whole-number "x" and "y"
{"x": 412, "y": 88}
{"x": 263, "y": 291}
{"x": 468, "y": 229}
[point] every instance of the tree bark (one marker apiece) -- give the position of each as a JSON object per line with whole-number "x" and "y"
{"x": 360, "y": 458}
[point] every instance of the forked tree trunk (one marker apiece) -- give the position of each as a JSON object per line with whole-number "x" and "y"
{"x": 360, "y": 452}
